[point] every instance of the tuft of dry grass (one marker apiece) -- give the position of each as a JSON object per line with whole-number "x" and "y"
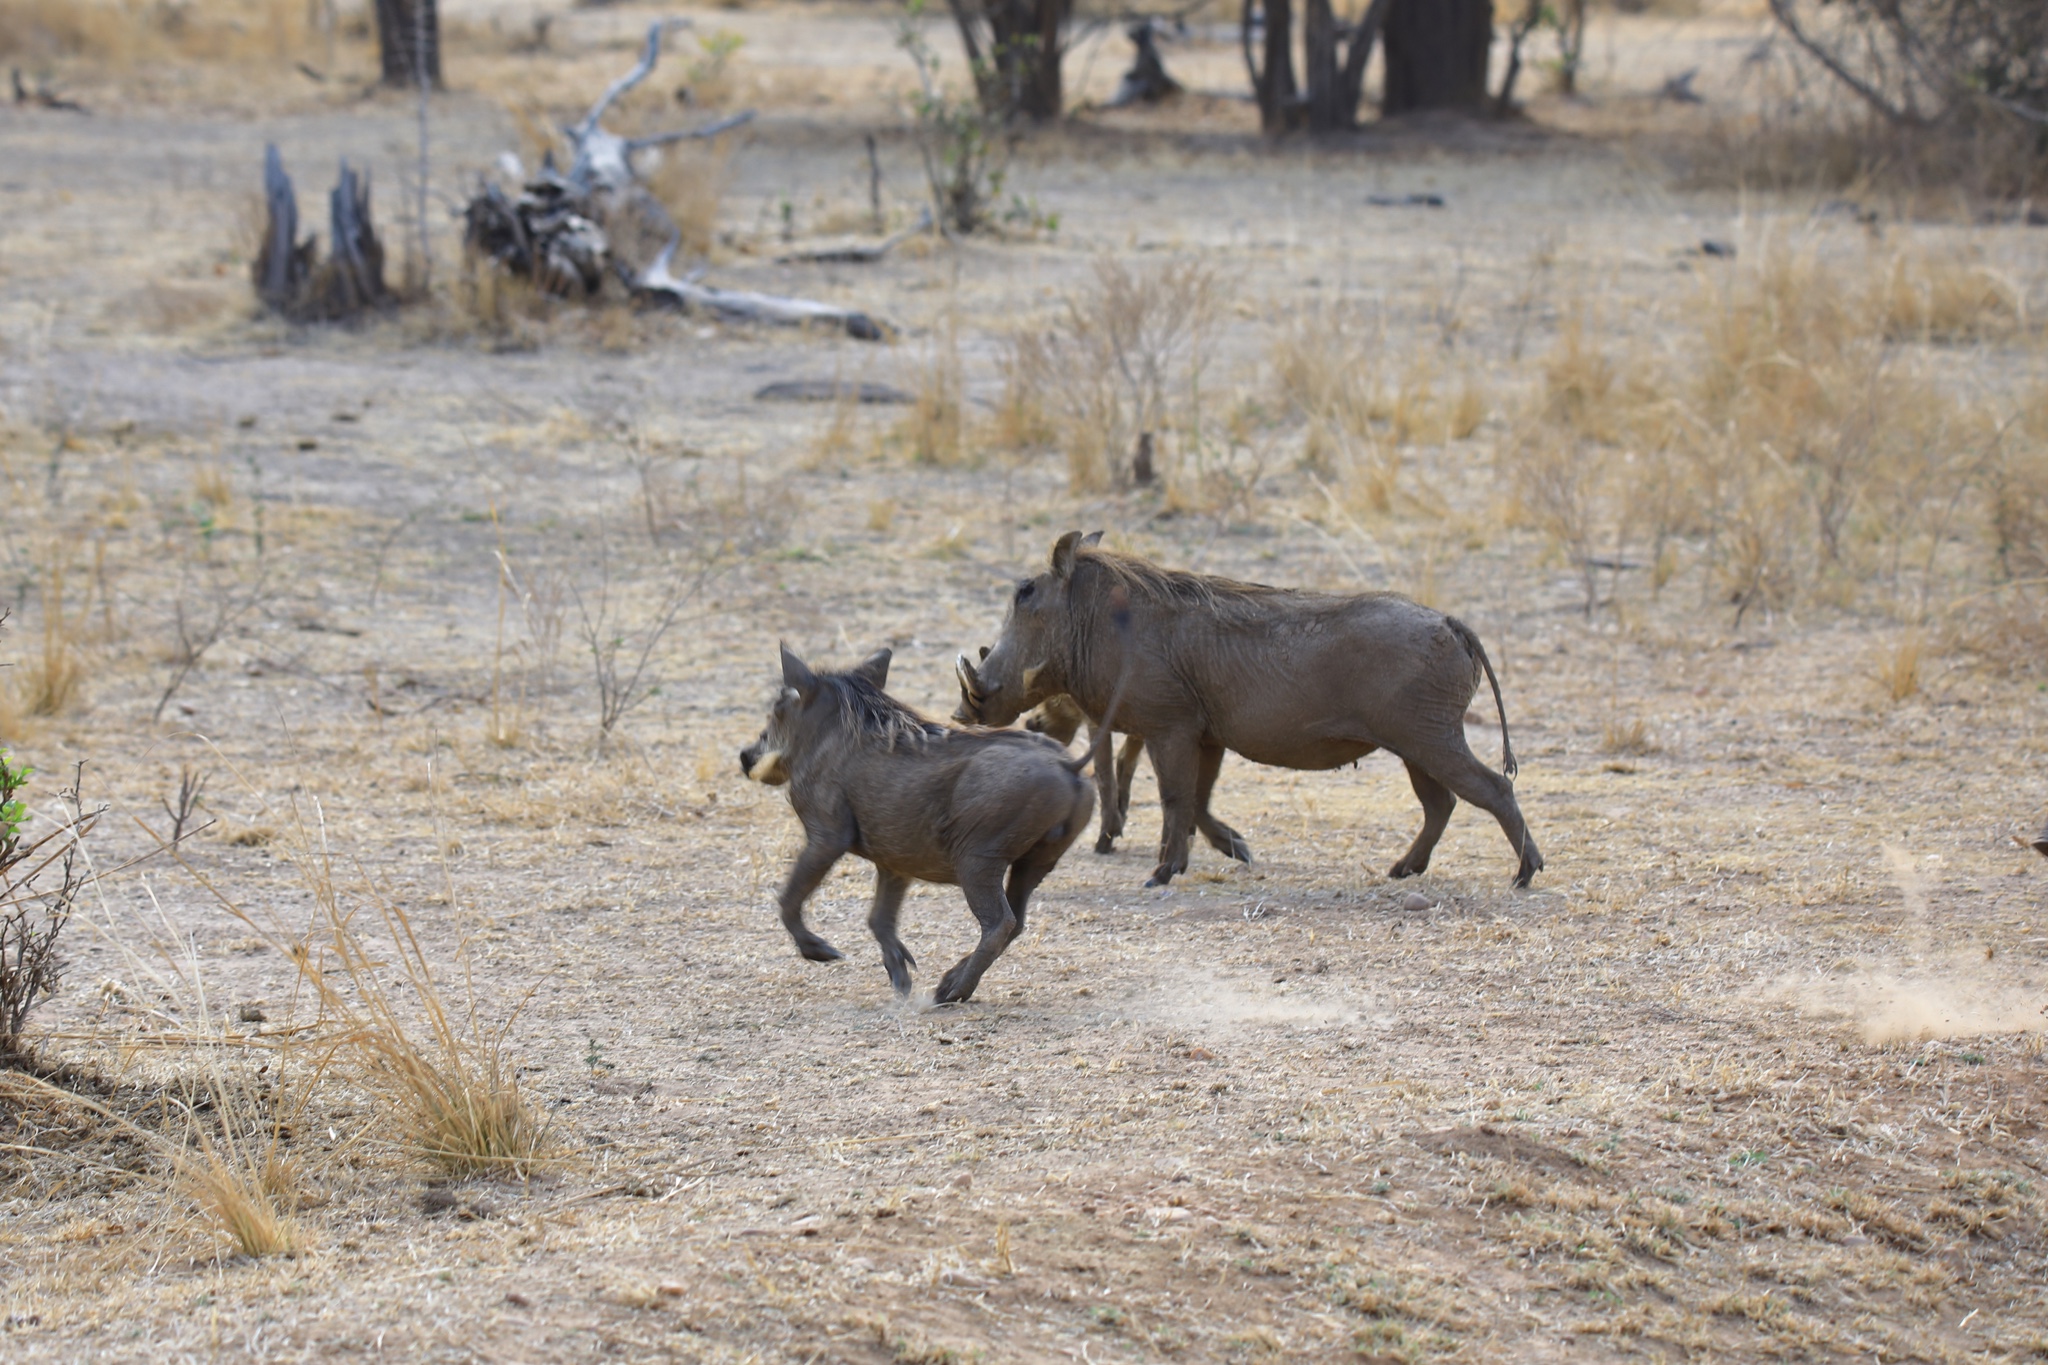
{"x": 691, "y": 180}
{"x": 1943, "y": 297}
{"x": 935, "y": 428}
{"x": 444, "y": 1074}
{"x": 1899, "y": 666}
{"x": 52, "y": 680}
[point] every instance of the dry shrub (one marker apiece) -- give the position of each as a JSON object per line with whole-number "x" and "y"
{"x": 1791, "y": 134}
{"x": 1124, "y": 356}
{"x": 1937, "y": 297}
{"x": 494, "y": 302}
{"x": 1791, "y": 449}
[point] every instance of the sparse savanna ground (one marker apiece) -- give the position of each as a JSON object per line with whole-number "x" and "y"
{"x": 1757, "y": 541}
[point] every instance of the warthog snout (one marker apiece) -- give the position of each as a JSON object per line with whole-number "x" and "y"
{"x": 762, "y": 763}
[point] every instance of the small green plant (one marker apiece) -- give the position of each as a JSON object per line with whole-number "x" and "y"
{"x": 965, "y": 151}
{"x": 13, "y": 814}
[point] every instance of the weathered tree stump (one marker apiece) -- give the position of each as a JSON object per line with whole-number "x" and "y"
{"x": 289, "y": 276}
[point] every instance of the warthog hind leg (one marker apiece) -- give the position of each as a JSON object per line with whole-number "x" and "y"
{"x": 982, "y": 883}
{"x": 811, "y": 866}
{"x": 889, "y": 892}
{"x": 1437, "y": 805}
{"x": 1456, "y": 767}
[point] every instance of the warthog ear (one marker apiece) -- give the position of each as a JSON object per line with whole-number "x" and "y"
{"x": 796, "y": 674}
{"x": 1063, "y": 554}
{"x": 1092, "y": 539}
{"x": 875, "y": 668}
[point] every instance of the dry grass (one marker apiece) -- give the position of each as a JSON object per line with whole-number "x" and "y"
{"x": 1939, "y": 297}
{"x": 692, "y": 179}
{"x": 451, "y": 1090}
{"x": 124, "y": 34}
{"x": 1205, "y": 1125}
{"x": 934, "y": 431}
{"x": 51, "y": 682}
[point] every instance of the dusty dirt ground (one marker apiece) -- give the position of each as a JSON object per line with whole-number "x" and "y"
{"x": 1755, "y": 1070}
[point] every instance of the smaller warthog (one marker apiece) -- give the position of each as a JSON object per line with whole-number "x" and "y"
{"x": 921, "y": 801}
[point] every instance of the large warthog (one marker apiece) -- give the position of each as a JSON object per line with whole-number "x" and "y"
{"x": 921, "y": 801}
{"x": 1288, "y": 678}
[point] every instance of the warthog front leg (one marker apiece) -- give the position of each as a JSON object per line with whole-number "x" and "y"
{"x": 982, "y": 883}
{"x": 1437, "y": 805}
{"x": 889, "y": 892}
{"x": 811, "y": 866}
{"x": 1221, "y": 837}
{"x": 1176, "y": 762}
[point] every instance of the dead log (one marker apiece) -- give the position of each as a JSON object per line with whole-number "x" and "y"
{"x": 830, "y": 391}
{"x": 566, "y": 231}
{"x": 604, "y": 160}
{"x": 658, "y": 282}
{"x": 44, "y": 96}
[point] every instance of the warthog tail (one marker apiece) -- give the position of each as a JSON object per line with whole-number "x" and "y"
{"x": 1508, "y": 766}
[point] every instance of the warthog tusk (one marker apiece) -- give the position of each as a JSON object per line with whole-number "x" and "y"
{"x": 970, "y": 683}
{"x": 768, "y": 769}
{"x": 1031, "y": 677}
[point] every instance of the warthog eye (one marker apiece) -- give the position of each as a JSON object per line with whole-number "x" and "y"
{"x": 1025, "y": 589}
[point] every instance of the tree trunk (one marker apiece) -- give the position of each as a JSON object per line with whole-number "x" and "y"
{"x": 1014, "y": 48}
{"x": 1436, "y": 54}
{"x": 409, "y": 42}
{"x": 1319, "y": 67}
{"x": 1271, "y": 62}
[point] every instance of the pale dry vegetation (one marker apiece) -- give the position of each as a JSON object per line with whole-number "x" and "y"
{"x": 431, "y": 992}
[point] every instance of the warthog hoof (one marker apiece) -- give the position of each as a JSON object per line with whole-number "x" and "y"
{"x": 1105, "y": 843}
{"x": 899, "y": 963}
{"x": 1404, "y": 868}
{"x": 1162, "y": 874}
{"x": 817, "y": 950}
{"x": 950, "y": 991}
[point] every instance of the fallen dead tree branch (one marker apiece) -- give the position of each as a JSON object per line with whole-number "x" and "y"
{"x": 660, "y": 282}
{"x": 567, "y": 231}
